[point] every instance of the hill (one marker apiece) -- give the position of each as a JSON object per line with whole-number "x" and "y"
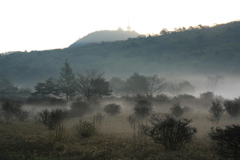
{"x": 196, "y": 50}
{"x": 105, "y": 36}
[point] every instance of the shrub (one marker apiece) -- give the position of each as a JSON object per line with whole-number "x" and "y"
{"x": 84, "y": 129}
{"x": 227, "y": 141}
{"x": 170, "y": 132}
{"x": 112, "y": 109}
{"x": 177, "y": 111}
{"x": 142, "y": 109}
{"x": 51, "y": 119}
{"x": 216, "y": 111}
{"x": 14, "y": 109}
{"x": 78, "y": 109}
{"x": 232, "y": 107}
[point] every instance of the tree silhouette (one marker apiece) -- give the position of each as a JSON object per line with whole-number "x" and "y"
{"x": 49, "y": 87}
{"x": 92, "y": 85}
{"x": 7, "y": 88}
{"x": 67, "y": 81}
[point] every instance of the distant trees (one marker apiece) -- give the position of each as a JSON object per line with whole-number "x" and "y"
{"x": 180, "y": 88}
{"x": 215, "y": 81}
{"x": 92, "y": 85}
{"x": 145, "y": 85}
{"x": 67, "y": 81}
{"x": 7, "y": 88}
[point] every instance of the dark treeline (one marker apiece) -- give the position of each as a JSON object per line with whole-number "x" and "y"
{"x": 199, "y": 49}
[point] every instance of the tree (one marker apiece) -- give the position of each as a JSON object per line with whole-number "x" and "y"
{"x": 47, "y": 88}
{"x": 67, "y": 81}
{"x": 147, "y": 85}
{"x": 216, "y": 110}
{"x": 7, "y": 88}
{"x": 155, "y": 85}
{"x": 215, "y": 81}
{"x": 233, "y": 107}
{"x": 180, "y": 88}
{"x": 92, "y": 85}
{"x": 117, "y": 85}
{"x": 136, "y": 84}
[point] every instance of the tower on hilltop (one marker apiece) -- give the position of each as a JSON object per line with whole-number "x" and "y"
{"x": 128, "y": 27}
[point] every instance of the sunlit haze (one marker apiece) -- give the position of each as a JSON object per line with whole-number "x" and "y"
{"x": 49, "y": 24}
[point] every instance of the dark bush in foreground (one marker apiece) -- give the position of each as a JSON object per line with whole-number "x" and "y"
{"x": 84, "y": 129}
{"x": 232, "y": 107}
{"x": 227, "y": 141}
{"x": 142, "y": 109}
{"x": 112, "y": 109}
{"x": 78, "y": 109}
{"x": 170, "y": 132}
{"x": 51, "y": 119}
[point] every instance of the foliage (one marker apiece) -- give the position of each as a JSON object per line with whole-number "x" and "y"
{"x": 51, "y": 119}
{"x": 216, "y": 110}
{"x": 227, "y": 141}
{"x": 232, "y": 107}
{"x": 84, "y": 129}
{"x": 180, "y": 88}
{"x": 92, "y": 85}
{"x": 177, "y": 111}
{"x": 136, "y": 84}
{"x": 67, "y": 81}
{"x": 169, "y": 132}
{"x": 46, "y": 89}
{"x": 142, "y": 109}
{"x": 78, "y": 108}
{"x": 112, "y": 109}
{"x": 12, "y": 109}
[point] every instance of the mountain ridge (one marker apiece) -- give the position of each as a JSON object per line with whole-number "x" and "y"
{"x": 196, "y": 50}
{"x": 106, "y": 36}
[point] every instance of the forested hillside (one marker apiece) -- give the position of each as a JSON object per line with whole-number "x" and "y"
{"x": 199, "y": 49}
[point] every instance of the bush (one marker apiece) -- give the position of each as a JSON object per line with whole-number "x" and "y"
{"x": 216, "y": 111}
{"x": 142, "y": 109}
{"x": 51, "y": 119}
{"x": 177, "y": 111}
{"x": 112, "y": 109}
{"x": 227, "y": 141}
{"x": 78, "y": 109}
{"x": 170, "y": 132}
{"x": 232, "y": 107}
{"x": 14, "y": 109}
{"x": 84, "y": 129}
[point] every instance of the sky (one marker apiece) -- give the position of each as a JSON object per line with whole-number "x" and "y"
{"x": 27, "y": 25}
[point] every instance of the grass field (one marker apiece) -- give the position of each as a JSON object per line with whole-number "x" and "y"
{"x": 114, "y": 140}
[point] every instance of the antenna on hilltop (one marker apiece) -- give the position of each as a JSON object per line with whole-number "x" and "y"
{"x": 128, "y": 27}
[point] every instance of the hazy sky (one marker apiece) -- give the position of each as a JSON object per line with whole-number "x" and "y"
{"x": 49, "y": 24}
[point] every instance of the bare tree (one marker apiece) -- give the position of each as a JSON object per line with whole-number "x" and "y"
{"x": 92, "y": 85}
{"x": 215, "y": 81}
{"x": 155, "y": 85}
